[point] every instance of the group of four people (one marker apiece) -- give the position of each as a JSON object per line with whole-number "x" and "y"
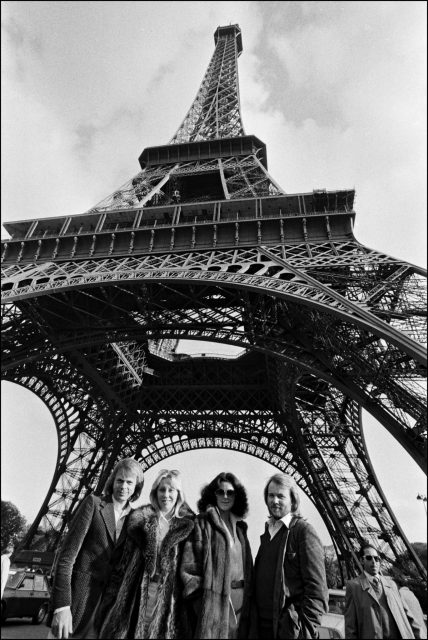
{"x": 160, "y": 571}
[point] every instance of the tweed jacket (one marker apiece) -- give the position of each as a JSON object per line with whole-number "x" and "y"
{"x": 205, "y": 572}
{"x": 83, "y": 566}
{"x": 125, "y": 600}
{"x": 362, "y": 619}
{"x": 300, "y": 588}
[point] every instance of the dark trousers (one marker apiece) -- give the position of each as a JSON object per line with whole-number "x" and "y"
{"x": 265, "y": 629}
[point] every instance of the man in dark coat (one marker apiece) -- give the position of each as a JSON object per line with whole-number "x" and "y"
{"x": 96, "y": 532}
{"x": 291, "y": 592}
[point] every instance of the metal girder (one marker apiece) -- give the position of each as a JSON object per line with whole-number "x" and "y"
{"x": 331, "y": 444}
{"x": 215, "y": 112}
{"x": 294, "y": 285}
{"x": 79, "y": 422}
{"x": 375, "y": 373}
{"x": 242, "y": 177}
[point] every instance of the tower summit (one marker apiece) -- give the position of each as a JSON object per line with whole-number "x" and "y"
{"x": 216, "y": 111}
{"x": 202, "y": 243}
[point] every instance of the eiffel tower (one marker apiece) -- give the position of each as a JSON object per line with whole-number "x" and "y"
{"x": 202, "y": 243}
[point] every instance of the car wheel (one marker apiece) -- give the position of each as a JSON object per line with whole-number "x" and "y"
{"x": 3, "y": 611}
{"x": 40, "y": 615}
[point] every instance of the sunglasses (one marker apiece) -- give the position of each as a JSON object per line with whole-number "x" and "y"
{"x": 227, "y": 494}
{"x": 375, "y": 558}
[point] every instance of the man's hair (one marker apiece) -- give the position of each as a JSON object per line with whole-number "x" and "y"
{"x": 365, "y": 544}
{"x": 174, "y": 477}
{"x": 131, "y": 466}
{"x": 287, "y": 482}
{"x": 9, "y": 548}
{"x": 208, "y": 497}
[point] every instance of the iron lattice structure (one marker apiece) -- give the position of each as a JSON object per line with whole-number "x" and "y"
{"x": 203, "y": 244}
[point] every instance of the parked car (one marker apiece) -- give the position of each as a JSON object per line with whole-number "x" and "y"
{"x": 26, "y": 594}
{"x": 333, "y": 622}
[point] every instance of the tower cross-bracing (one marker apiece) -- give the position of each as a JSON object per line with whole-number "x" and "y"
{"x": 202, "y": 243}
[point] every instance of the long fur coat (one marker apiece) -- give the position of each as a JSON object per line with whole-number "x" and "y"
{"x": 126, "y": 597}
{"x": 205, "y": 572}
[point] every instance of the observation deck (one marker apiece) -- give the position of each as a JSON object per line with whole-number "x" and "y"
{"x": 293, "y": 219}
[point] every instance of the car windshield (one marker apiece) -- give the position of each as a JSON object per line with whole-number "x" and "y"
{"x": 40, "y": 583}
{"x": 14, "y": 579}
{"x": 336, "y": 602}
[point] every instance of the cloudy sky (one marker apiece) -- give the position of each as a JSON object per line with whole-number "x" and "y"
{"x": 335, "y": 89}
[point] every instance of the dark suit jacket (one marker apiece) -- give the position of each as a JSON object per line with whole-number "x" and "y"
{"x": 84, "y": 566}
{"x": 300, "y": 591}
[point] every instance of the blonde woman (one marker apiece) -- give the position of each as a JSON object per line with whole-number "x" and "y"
{"x": 145, "y": 589}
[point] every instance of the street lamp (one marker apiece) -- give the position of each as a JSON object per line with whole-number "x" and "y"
{"x": 424, "y": 500}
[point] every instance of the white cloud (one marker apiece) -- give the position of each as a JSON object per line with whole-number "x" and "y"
{"x": 40, "y": 174}
{"x": 346, "y": 108}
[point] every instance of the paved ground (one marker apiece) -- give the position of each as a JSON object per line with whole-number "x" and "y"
{"x": 22, "y": 629}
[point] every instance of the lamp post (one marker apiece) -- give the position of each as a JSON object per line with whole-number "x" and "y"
{"x": 424, "y": 500}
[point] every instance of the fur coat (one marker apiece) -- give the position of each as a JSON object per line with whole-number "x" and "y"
{"x": 127, "y": 594}
{"x": 205, "y": 572}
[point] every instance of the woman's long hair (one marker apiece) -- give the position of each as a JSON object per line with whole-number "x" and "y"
{"x": 174, "y": 478}
{"x": 208, "y": 497}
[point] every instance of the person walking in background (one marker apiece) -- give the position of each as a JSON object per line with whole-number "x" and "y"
{"x": 144, "y": 597}
{"x": 373, "y": 607}
{"x": 291, "y": 592}
{"x": 217, "y": 562}
{"x": 96, "y": 531}
{"x": 5, "y": 565}
{"x": 412, "y": 604}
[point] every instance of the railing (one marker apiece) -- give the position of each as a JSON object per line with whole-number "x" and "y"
{"x": 146, "y": 223}
{"x": 204, "y": 354}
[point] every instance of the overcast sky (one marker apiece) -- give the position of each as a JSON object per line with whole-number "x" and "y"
{"x": 335, "y": 89}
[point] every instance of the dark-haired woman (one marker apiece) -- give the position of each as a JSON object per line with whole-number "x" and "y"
{"x": 217, "y": 564}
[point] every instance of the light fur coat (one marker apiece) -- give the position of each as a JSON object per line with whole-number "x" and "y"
{"x": 126, "y": 597}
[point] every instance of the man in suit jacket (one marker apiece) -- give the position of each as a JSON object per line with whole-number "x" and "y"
{"x": 83, "y": 568}
{"x": 373, "y": 607}
{"x": 290, "y": 585}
